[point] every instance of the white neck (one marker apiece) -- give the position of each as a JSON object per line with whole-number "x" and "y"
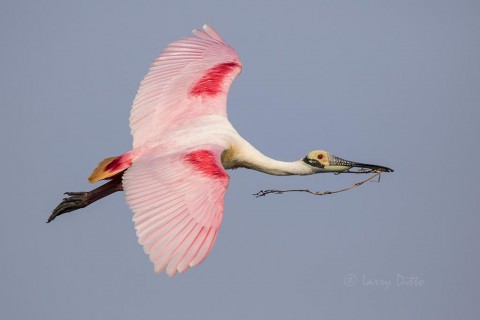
{"x": 247, "y": 156}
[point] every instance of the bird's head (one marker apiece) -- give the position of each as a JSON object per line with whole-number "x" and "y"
{"x": 323, "y": 161}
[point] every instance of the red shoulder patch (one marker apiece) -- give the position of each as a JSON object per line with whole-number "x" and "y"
{"x": 210, "y": 84}
{"x": 206, "y": 162}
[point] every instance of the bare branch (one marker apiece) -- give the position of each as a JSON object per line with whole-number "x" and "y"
{"x": 262, "y": 193}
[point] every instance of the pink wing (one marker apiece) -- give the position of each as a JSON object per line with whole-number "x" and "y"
{"x": 177, "y": 200}
{"x": 189, "y": 79}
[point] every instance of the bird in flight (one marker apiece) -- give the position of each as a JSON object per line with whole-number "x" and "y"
{"x": 175, "y": 177}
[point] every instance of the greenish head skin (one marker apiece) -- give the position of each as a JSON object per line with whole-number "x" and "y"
{"x": 323, "y": 161}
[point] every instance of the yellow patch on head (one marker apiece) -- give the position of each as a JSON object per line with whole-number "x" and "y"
{"x": 321, "y": 156}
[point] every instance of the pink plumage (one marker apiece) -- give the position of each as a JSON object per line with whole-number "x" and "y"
{"x": 176, "y": 185}
{"x": 177, "y": 200}
{"x": 164, "y": 103}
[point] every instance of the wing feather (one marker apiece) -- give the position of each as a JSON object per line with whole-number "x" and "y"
{"x": 191, "y": 246}
{"x": 177, "y": 200}
{"x": 165, "y": 102}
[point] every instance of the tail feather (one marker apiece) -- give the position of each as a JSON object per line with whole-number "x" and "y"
{"x": 101, "y": 172}
{"x": 110, "y": 167}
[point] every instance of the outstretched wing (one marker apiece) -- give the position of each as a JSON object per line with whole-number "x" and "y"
{"x": 177, "y": 200}
{"x": 189, "y": 79}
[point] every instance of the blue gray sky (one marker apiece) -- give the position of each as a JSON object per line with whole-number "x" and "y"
{"x": 388, "y": 82}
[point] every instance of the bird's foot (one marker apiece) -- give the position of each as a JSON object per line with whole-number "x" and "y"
{"x": 74, "y": 201}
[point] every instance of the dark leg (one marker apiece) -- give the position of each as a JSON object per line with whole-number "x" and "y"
{"x": 77, "y": 200}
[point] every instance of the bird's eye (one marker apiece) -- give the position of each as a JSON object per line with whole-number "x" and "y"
{"x": 320, "y": 156}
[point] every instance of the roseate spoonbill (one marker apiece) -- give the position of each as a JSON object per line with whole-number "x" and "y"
{"x": 175, "y": 176}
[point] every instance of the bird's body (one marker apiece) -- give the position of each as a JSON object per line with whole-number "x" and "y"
{"x": 175, "y": 176}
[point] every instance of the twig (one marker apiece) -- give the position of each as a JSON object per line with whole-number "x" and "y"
{"x": 262, "y": 193}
